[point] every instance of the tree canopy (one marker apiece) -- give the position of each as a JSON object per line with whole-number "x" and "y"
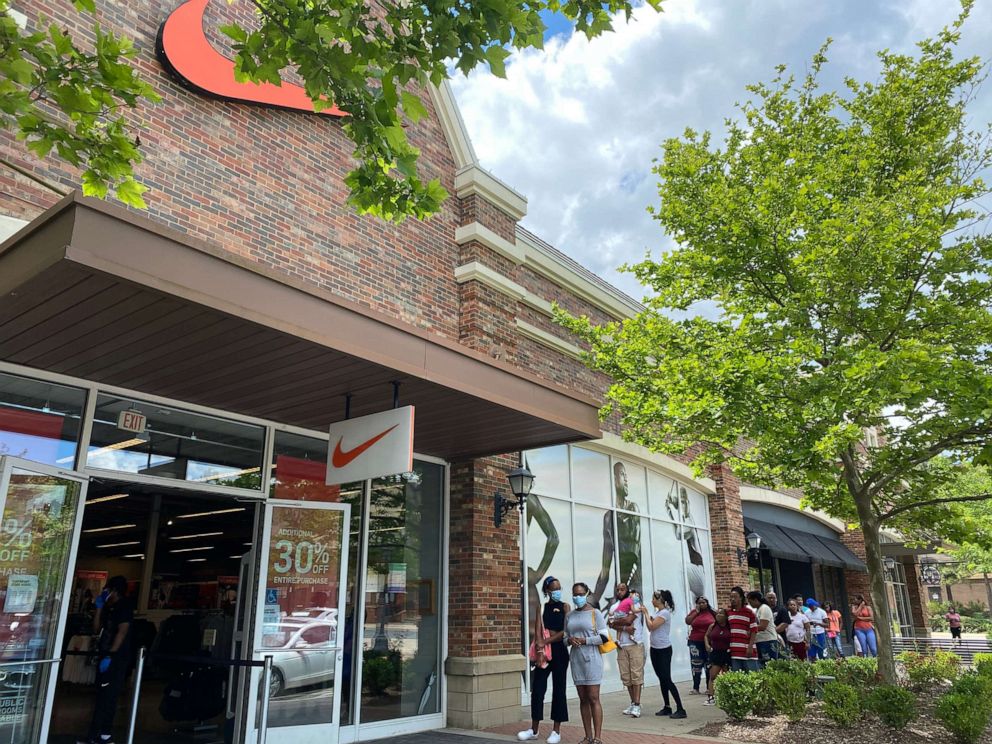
{"x": 371, "y": 59}
{"x": 841, "y": 237}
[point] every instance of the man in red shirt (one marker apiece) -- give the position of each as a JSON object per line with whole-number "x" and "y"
{"x": 743, "y": 631}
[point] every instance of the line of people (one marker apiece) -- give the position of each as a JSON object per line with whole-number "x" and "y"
{"x": 750, "y": 632}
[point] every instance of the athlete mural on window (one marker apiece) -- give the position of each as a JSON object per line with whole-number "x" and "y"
{"x": 677, "y": 505}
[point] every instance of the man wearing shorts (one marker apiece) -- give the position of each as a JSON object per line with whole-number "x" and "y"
{"x": 954, "y": 621}
{"x": 630, "y": 646}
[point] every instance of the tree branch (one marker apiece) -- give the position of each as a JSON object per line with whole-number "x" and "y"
{"x": 933, "y": 502}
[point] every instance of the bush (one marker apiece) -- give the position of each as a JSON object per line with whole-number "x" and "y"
{"x": 763, "y": 704}
{"x": 983, "y": 664}
{"x": 859, "y": 671}
{"x": 965, "y": 720}
{"x": 841, "y": 703}
{"x": 788, "y": 691}
{"x": 895, "y": 705}
{"x": 787, "y": 666}
{"x": 978, "y": 686}
{"x": 929, "y": 669}
{"x": 735, "y": 692}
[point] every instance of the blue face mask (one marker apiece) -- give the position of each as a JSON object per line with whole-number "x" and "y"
{"x": 556, "y": 595}
{"x": 580, "y": 600}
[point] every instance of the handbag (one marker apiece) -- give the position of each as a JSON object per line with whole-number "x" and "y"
{"x": 609, "y": 645}
{"x": 545, "y": 635}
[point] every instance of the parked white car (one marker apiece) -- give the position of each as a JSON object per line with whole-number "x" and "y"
{"x": 303, "y": 653}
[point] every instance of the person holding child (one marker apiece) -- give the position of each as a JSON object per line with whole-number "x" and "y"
{"x": 626, "y": 620}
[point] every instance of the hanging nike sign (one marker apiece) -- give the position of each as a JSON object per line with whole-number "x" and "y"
{"x": 184, "y": 51}
{"x": 370, "y": 446}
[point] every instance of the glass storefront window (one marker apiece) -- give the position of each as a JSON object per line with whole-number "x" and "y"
{"x": 663, "y": 496}
{"x": 549, "y": 547}
{"x": 401, "y": 656}
{"x": 591, "y": 477}
{"x": 299, "y": 467}
{"x": 670, "y": 573}
{"x": 40, "y": 421}
{"x": 630, "y": 487}
{"x": 176, "y": 444}
{"x": 550, "y": 469}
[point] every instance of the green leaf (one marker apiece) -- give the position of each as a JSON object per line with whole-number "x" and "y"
{"x": 413, "y": 107}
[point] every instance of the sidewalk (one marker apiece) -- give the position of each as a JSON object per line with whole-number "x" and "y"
{"x": 621, "y": 729}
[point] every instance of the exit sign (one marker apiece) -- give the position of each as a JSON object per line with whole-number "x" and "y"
{"x": 131, "y": 420}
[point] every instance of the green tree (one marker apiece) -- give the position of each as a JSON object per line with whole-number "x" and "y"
{"x": 838, "y": 234}
{"x": 372, "y": 60}
{"x": 973, "y": 555}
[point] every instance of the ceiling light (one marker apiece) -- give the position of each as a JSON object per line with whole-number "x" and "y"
{"x": 192, "y": 550}
{"x": 136, "y": 555}
{"x": 199, "y": 534}
{"x": 100, "y": 500}
{"x": 210, "y": 513}
{"x": 119, "y": 545}
{"x": 112, "y": 527}
{"x": 233, "y": 474}
{"x": 239, "y": 557}
{"x": 118, "y": 446}
{"x": 195, "y": 560}
{"x": 247, "y": 545}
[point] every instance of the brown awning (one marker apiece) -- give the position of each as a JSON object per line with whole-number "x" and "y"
{"x": 91, "y": 290}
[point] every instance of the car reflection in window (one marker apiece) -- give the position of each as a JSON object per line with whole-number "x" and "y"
{"x": 303, "y": 653}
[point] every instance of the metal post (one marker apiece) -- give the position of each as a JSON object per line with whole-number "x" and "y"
{"x": 139, "y": 670}
{"x": 761, "y": 572}
{"x": 263, "y": 718}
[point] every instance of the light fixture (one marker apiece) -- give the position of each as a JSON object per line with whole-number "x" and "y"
{"x": 112, "y": 527}
{"x": 521, "y": 481}
{"x": 889, "y": 562}
{"x": 741, "y": 556}
{"x": 192, "y": 550}
{"x": 136, "y": 555}
{"x": 233, "y": 474}
{"x": 209, "y": 513}
{"x": 239, "y": 557}
{"x": 113, "y": 497}
{"x": 118, "y": 446}
{"x": 199, "y": 534}
{"x": 753, "y": 541}
{"x": 119, "y": 545}
{"x": 195, "y": 560}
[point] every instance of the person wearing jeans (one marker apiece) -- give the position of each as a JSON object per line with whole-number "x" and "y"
{"x": 659, "y": 623}
{"x": 699, "y": 620}
{"x": 864, "y": 626}
{"x": 743, "y": 631}
{"x": 767, "y": 638}
{"x": 818, "y": 629}
{"x": 833, "y": 630}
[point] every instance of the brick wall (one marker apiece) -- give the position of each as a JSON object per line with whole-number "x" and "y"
{"x": 917, "y": 597}
{"x": 727, "y": 525}
{"x": 856, "y": 581}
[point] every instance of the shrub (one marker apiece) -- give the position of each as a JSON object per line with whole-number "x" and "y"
{"x": 895, "y": 705}
{"x": 788, "y": 691}
{"x": 928, "y": 669}
{"x": 787, "y": 666}
{"x": 977, "y": 685}
{"x": 841, "y": 703}
{"x": 859, "y": 671}
{"x": 826, "y": 667}
{"x": 959, "y": 714}
{"x": 763, "y": 704}
{"x": 983, "y": 664}
{"x": 735, "y": 693}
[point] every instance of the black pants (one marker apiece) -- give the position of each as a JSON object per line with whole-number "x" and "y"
{"x": 661, "y": 660}
{"x": 557, "y": 670}
{"x": 108, "y": 689}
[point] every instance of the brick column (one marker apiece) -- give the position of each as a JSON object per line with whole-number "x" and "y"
{"x": 917, "y": 599}
{"x": 727, "y": 534}
{"x": 856, "y": 582}
{"x": 485, "y": 662}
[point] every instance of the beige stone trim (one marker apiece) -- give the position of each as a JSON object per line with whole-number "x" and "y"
{"x": 548, "y": 339}
{"x": 612, "y": 444}
{"x": 768, "y": 496}
{"x": 476, "y": 666}
{"x": 539, "y": 260}
{"x": 475, "y": 271}
{"x": 479, "y": 233}
{"x": 452, "y": 124}
{"x": 538, "y": 303}
{"x": 473, "y": 179}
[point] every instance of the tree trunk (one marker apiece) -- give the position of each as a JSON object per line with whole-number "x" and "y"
{"x": 879, "y": 597}
{"x": 988, "y": 588}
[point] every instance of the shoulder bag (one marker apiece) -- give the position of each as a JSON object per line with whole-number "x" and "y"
{"x": 609, "y": 645}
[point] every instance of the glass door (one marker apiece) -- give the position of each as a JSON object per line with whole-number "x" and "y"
{"x": 41, "y": 511}
{"x": 299, "y": 622}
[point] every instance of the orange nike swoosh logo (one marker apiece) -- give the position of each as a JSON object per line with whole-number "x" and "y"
{"x": 184, "y": 50}
{"x": 340, "y": 458}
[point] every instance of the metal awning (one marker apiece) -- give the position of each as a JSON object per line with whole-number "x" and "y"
{"x": 799, "y": 545}
{"x": 92, "y": 291}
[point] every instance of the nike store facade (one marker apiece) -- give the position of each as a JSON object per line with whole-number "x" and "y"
{"x": 180, "y": 384}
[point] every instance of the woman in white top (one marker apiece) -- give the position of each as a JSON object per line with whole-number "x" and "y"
{"x": 796, "y": 631}
{"x": 659, "y": 622}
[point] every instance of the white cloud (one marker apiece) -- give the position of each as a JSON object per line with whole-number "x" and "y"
{"x": 575, "y": 127}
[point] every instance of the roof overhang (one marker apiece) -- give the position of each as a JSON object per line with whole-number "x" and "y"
{"x": 92, "y": 291}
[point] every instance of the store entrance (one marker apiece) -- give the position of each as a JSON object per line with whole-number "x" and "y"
{"x": 185, "y": 559}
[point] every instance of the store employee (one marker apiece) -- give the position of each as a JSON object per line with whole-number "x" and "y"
{"x": 112, "y": 623}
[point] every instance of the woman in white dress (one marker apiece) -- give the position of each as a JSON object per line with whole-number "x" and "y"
{"x": 585, "y": 631}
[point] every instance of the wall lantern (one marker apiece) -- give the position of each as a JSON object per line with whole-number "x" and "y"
{"x": 521, "y": 481}
{"x": 889, "y": 562}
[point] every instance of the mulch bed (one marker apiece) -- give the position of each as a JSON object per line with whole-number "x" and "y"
{"x": 924, "y": 729}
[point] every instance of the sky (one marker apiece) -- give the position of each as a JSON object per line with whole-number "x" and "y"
{"x": 575, "y": 127}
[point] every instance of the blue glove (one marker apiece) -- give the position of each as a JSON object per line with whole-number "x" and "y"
{"x": 104, "y": 664}
{"x": 101, "y": 599}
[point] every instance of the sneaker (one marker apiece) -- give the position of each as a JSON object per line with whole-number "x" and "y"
{"x": 626, "y": 711}
{"x": 694, "y": 691}
{"x": 666, "y": 711}
{"x": 526, "y": 735}
{"x": 554, "y": 738}
{"x": 680, "y": 713}
{"x": 635, "y": 711}
{"x": 710, "y": 701}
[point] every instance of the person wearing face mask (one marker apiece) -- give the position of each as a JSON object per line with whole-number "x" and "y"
{"x": 626, "y": 621}
{"x": 699, "y": 620}
{"x": 552, "y": 620}
{"x": 585, "y": 632}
